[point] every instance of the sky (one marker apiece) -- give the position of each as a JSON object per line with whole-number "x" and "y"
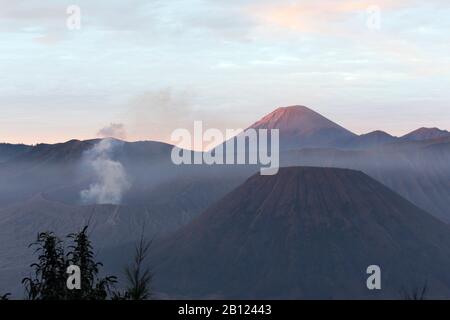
{"x": 139, "y": 69}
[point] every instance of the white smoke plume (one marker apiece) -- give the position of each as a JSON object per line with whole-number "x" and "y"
{"x": 110, "y": 176}
{"x": 114, "y": 130}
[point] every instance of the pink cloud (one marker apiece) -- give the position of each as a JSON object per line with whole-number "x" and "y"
{"x": 324, "y": 17}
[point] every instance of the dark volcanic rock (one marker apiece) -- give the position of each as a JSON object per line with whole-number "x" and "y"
{"x": 306, "y": 233}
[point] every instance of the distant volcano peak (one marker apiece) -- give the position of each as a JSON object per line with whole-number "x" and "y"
{"x": 300, "y": 126}
{"x": 292, "y": 117}
{"x": 291, "y": 109}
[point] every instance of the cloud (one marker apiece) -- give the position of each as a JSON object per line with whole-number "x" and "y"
{"x": 111, "y": 180}
{"x": 49, "y": 39}
{"x": 114, "y": 130}
{"x": 320, "y": 17}
{"x": 44, "y": 21}
{"x": 347, "y": 24}
{"x": 328, "y": 17}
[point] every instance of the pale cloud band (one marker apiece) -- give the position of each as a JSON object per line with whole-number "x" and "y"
{"x": 227, "y": 61}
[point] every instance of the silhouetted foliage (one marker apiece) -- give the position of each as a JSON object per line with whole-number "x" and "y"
{"x": 81, "y": 254}
{"x": 49, "y": 281}
{"x": 4, "y": 297}
{"x": 50, "y": 278}
{"x": 139, "y": 276}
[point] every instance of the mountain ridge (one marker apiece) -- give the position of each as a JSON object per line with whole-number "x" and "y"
{"x": 423, "y": 133}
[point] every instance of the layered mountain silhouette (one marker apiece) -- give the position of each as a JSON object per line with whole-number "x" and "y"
{"x": 60, "y": 169}
{"x": 418, "y": 171}
{"x": 369, "y": 140}
{"x": 306, "y": 233}
{"x": 57, "y": 170}
{"x": 422, "y": 134}
{"x": 301, "y": 127}
{"x": 40, "y": 185}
